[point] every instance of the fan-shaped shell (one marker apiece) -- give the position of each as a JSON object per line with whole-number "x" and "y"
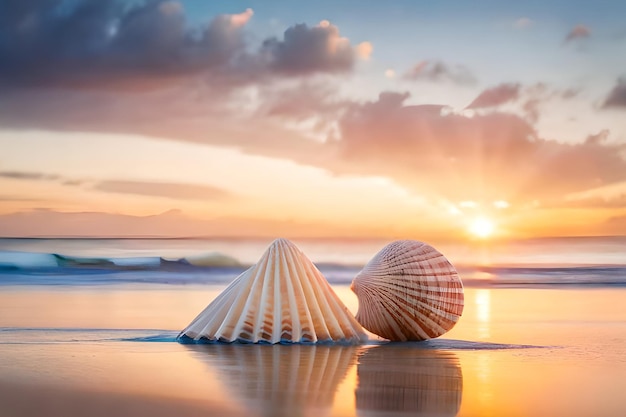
{"x": 408, "y": 291}
{"x": 284, "y": 298}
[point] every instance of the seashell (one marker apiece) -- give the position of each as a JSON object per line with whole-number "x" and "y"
{"x": 284, "y": 298}
{"x": 408, "y": 291}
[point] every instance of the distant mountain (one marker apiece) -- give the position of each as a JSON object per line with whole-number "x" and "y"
{"x": 172, "y": 223}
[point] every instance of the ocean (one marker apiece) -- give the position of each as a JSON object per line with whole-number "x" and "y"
{"x": 590, "y": 261}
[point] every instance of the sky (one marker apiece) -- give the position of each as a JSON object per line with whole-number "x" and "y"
{"x": 413, "y": 119}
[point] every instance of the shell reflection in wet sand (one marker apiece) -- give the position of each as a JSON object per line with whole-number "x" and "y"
{"x": 403, "y": 381}
{"x": 279, "y": 380}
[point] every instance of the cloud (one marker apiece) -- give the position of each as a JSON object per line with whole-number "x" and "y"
{"x": 364, "y": 50}
{"x": 598, "y": 138}
{"x": 495, "y": 155}
{"x": 617, "y": 96}
{"x": 241, "y": 19}
{"x": 36, "y": 176}
{"x": 437, "y": 71}
{"x": 18, "y": 198}
{"x": 185, "y": 114}
{"x": 578, "y": 32}
{"x": 522, "y": 23}
{"x": 496, "y": 96}
{"x": 537, "y": 95}
{"x": 145, "y": 188}
{"x": 616, "y": 225}
{"x": 599, "y": 202}
{"x": 163, "y": 189}
{"x": 308, "y": 50}
{"x": 606, "y": 196}
{"x": 301, "y": 100}
{"x": 152, "y": 44}
{"x": 427, "y": 148}
{"x": 98, "y": 44}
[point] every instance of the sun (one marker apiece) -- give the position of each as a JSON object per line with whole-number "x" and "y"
{"x": 481, "y": 227}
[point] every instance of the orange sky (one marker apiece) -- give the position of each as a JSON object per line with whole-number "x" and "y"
{"x": 316, "y": 131}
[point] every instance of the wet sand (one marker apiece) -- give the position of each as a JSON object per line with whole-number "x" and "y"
{"x": 110, "y": 351}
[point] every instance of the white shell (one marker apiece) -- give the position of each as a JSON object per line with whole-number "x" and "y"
{"x": 284, "y": 298}
{"x": 408, "y": 291}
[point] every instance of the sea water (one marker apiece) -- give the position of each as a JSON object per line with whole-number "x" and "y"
{"x": 553, "y": 261}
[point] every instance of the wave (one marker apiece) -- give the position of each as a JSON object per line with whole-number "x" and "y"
{"x": 31, "y": 261}
{"x": 30, "y": 268}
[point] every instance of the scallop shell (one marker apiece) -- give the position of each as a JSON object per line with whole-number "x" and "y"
{"x": 284, "y": 298}
{"x": 408, "y": 291}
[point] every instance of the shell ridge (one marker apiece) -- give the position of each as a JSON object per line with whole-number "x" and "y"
{"x": 288, "y": 308}
{"x": 309, "y": 305}
{"x": 258, "y": 329}
{"x": 338, "y": 329}
{"x": 245, "y": 329}
{"x": 204, "y": 319}
{"x": 231, "y": 310}
{"x": 211, "y": 317}
{"x": 231, "y": 327}
{"x": 324, "y": 299}
{"x": 374, "y": 321}
{"x": 277, "y": 324}
{"x": 303, "y": 302}
{"x": 408, "y": 291}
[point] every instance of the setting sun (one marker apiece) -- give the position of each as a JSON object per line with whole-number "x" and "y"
{"x": 481, "y": 227}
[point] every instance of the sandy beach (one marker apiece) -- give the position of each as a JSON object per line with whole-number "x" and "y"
{"x": 73, "y": 351}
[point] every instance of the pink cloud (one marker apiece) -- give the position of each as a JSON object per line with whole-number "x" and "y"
{"x": 436, "y": 71}
{"x": 496, "y": 96}
{"x": 578, "y": 32}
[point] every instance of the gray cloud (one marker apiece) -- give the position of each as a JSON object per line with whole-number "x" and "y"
{"x": 104, "y": 44}
{"x": 437, "y": 71}
{"x": 145, "y": 188}
{"x": 92, "y": 43}
{"x": 163, "y": 189}
{"x": 21, "y": 175}
{"x": 307, "y": 50}
{"x": 617, "y": 96}
{"x": 539, "y": 94}
{"x": 496, "y": 96}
